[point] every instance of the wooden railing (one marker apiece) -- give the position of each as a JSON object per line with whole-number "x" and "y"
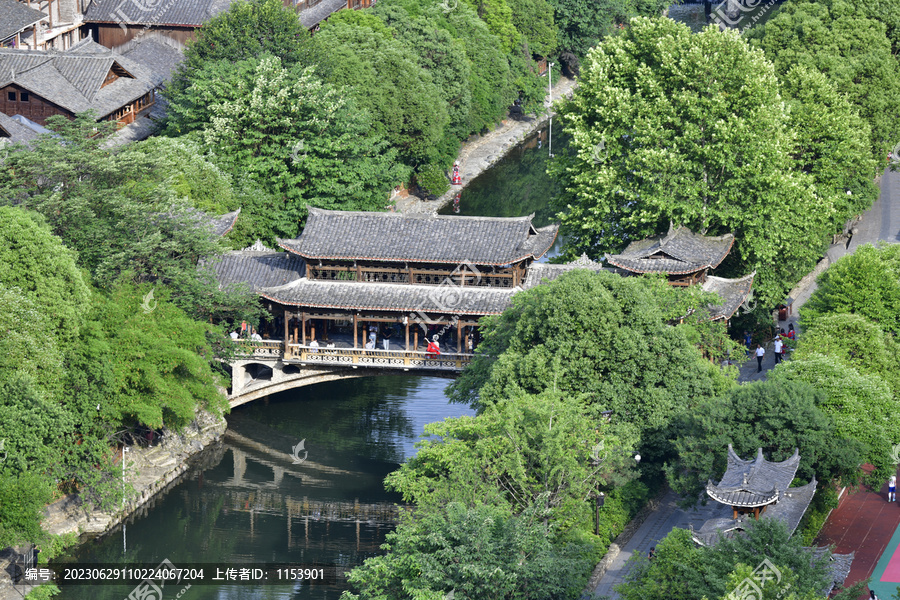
{"x": 351, "y": 357}
{"x": 384, "y": 359}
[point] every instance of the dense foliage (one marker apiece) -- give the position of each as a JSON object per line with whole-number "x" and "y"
{"x": 779, "y": 418}
{"x": 691, "y": 129}
{"x": 682, "y": 570}
{"x": 849, "y": 44}
{"x": 606, "y": 341}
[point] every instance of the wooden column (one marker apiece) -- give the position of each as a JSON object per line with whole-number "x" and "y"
{"x": 287, "y": 321}
{"x": 458, "y": 337}
{"x": 303, "y": 326}
{"x": 416, "y": 337}
{"x": 355, "y": 330}
{"x": 407, "y": 335}
{"x": 312, "y": 330}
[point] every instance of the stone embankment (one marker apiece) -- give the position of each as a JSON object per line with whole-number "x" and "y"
{"x": 481, "y": 152}
{"x": 149, "y": 471}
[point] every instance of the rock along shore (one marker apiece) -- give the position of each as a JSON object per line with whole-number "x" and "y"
{"x": 149, "y": 471}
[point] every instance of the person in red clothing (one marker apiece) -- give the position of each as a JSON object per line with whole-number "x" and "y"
{"x": 434, "y": 348}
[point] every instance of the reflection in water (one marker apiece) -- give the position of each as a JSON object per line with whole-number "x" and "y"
{"x": 252, "y": 501}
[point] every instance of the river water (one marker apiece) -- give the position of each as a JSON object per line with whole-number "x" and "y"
{"x": 247, "y": 502}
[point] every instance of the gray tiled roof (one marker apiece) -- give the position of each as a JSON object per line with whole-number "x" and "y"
{"x": 754, "y": 482}
{"x": 838, "y": 566}
{"x": 351, "y": 295}
{"x": 321, "y": 11}
{"x": 733, "y": 292}
{"x": 258, "y": 269}
{"x": 792, "y": 504}
{"x": 395, "y": 237}
{"x": 678, "y": 252}
{"x": 73, "y": 79}
{"x": 543, "y": 272}
{"x": 224, "y": 223}
{"x": 184, "y": 13}
{"x": 160, "y": 55}
{"x": 16, "y": 132}
{"x": 16, "y": 16}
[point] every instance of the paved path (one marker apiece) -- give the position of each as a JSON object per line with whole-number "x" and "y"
{"x": 480, "y": 154}
{"x": 864, "y": 522}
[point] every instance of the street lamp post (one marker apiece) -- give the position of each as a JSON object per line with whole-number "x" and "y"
{"x": 124, "y": 521}
{"x": 550, "y": 95}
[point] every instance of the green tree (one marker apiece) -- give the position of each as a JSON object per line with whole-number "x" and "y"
{"x": 853, "y": 50}
{"x": 865, "y": 283}
{"x": 22, "y": 498}
{"x": 672, "y": 127}
{"x": 481, "y": 552}
{"x": 315, "y": 148}
{"x": 525, "y": 451}
{"x": 384, "y": 78}
{"x": 831, "y": 143}
{"x": 534, "y": 20}
{"x": 499, "y": 18}
{"x": 682, "y": 571}
{"x": 120, "y": 213}
{"x": 861, "y": 407}
{"x": 857, "y": 342}
{"x": 35, "y": 261}
{"x": 777, "y": 417}
{"x": 247, "y": 30}
{"x": 602, "y": 338}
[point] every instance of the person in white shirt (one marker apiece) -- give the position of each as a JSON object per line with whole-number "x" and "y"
{"x": 235, "y": 335}
{"x": 255, "y": 336}
{"x": 314, "y": 346}
{"x": 778, "y": 346}
{"x": 760, "y": 352}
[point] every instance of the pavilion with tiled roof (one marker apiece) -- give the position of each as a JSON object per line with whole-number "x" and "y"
{"x": 684, "y": 256}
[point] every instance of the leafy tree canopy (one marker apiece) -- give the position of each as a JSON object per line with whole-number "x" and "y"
{"x": 603, "y": 338}
{"x": 534, "y": 20}
{"x": 34, "y": 261}
{"x": 857, "y": 342}
{"x": 777, "y": 417}
{"x": 247, "y": 30}
{"x": 481, "y": 552}
{"x": 865, "y": 283}
{"x": 852, "y": 49}
{"x": 315, "y": 146}
{"x": 525, "y": 451}
{"x": 673, "y": 127}
{"x": 831, "y": 143}
{"x": 385, "y": 78}
{"x": 861, "y": 407}
{"x": 680, "y": 570}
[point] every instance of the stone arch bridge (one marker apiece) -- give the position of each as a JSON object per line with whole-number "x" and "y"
{"x": 262, "y": 368}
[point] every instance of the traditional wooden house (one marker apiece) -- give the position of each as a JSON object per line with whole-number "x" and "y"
{"x": 682, "y": 255}
{"x": 18, "y": 24}
{"x": 39, "y": 84}
{"x": 41, "y": 24}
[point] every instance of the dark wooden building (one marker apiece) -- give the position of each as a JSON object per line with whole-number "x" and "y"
{"x": 39, "y": 84}
{"x": 19, "y": 23}
{"x": 416, "y": 276}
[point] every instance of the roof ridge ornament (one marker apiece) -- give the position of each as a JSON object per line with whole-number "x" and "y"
{"x": 583, "y": 261}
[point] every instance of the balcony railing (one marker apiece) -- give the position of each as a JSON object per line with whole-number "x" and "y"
{"x": 385, "y": 359}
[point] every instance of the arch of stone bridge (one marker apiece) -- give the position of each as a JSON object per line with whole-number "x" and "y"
{"x": 255, "y": 378}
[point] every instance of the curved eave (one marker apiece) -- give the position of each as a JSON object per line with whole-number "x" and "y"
{"x": 730, "y": 502}
{"x": 311, "y": 257}
{"x": 724, "y": 254}
{"x": 362, "y": 308}
{"x": 549, "y": 246}
{"x": 609, "y": 259}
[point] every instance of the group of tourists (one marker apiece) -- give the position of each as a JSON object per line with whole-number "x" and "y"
{"x": 246, "y": 333}
{"x": 780, "y": 346}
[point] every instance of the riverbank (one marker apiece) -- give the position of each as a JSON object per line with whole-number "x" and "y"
{"x": 480, "y": 153}
{"x": 149, "y": 471}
